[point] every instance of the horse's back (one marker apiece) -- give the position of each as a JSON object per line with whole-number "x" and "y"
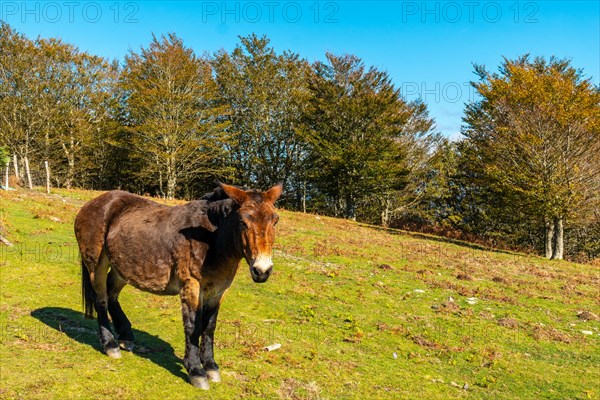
{"x": 94, "y": 218}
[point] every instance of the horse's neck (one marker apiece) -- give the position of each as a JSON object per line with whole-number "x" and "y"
{"x": 223, "y": 214}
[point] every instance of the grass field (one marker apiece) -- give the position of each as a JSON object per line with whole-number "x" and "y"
{"x": 360, "y": 313}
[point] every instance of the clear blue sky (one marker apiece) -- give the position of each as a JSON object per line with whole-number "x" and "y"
{"x": 427, "y": 47}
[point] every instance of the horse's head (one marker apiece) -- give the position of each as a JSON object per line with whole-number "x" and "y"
{"x": 257, "y": 219}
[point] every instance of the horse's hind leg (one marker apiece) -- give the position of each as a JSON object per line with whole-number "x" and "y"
{"x": 122, "y": 325}
{"x": 99, "y": 277}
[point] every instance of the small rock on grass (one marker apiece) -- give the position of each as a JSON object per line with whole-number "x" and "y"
{"x": 456, "y": 385}
{"x": 272, "y": 347}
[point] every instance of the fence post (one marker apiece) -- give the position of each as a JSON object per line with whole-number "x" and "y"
{"x": 28, "y": 173}
{"x": 47, "y": 177}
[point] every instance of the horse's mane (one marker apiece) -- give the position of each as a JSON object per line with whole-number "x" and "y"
{"x": 216, "y": 195}
{"x": 218, "y": 204}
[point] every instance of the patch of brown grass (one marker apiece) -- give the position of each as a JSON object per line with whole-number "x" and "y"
{"x": 433, "y": 345}
{"x": 424, "y": 272}
{"x": 329, "y": 247}
{"x": 500, "y": 279}
{"x": 570, "y": 288}
{"x": 541, "y": 272}
{"x": 489, "y": 356}
{"x": 294, "y": 389}
{"x": 250, "y": 348}
{"x": 508, "y": 322}
{"x": 448, "y": 307}
{"x": 548, "y": 333}
{"x": 587, "y": 316}
{"x": 463, "y": 276}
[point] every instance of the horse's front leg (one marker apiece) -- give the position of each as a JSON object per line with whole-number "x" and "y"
{"x": 192, "y": 324}
{"x": 210, "y": 310}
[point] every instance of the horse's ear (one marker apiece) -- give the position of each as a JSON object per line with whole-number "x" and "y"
{"x": 236, "y": 194}
{"x": 274, "y": 193}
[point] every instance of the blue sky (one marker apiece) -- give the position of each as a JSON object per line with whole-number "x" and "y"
{"x": 427, "y": 47}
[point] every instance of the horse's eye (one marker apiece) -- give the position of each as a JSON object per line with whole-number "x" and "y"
{"x": 243, "y": 224}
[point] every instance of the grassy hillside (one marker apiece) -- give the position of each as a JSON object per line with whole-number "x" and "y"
{"x": 360, "y": 312}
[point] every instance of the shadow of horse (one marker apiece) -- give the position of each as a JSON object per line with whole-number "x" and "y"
{"x": 72, "y": 324}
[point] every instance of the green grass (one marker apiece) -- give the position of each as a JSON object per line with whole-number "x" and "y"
{"x": 361, "y": 312}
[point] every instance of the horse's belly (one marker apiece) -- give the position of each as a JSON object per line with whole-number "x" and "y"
{"x": 173, "y": 287}
{"x": 142, "y": 260}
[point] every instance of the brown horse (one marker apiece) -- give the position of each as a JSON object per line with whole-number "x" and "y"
{"x": 193, "y": 250}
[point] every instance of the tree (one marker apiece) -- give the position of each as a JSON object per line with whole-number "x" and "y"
{"x": 360, "y": 134}
{"x": 536, "y": 135}
{"x": 21, "y": 89}
{"x": 172, "y": 112}
{"x": 78, "y": 99}
{"x": 266, "y": 94}
{"x": 55, "y": 100}
{"x": 4, "y": 158}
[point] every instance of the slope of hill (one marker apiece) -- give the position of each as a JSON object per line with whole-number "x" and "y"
{"x": 360, "y": 312}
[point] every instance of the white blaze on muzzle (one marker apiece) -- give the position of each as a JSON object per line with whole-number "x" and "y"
{"x": 263, "y": 263}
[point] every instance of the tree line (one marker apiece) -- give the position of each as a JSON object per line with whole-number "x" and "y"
{"x": 337, "y": 133}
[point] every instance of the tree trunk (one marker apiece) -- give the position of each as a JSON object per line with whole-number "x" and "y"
{"x": 70, "y": 154}
{"x": 350, "y": 207}
{"x": 16, "y": 164}
{"x": 171, "y": 178}
{"x": 304, "y": 197}
{"x": 47, "y": 177}
{"x": 171, "y": 184}
{"x": 6, "y": 176}
{"x": 557, "y": 254}
{"x": 28, "y": 172}
{"x": 160, "y": 184}
{"x": 70, "y": 170}
{"x": 549, "y": 237}
{"x": 385, "y": 212}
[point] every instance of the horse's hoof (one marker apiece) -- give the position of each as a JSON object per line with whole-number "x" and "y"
{"x": 200, "y": 382}
{"x": 126, "y": 345}
{"x": 214, "y": 376}
{"x": 113, "y": 352}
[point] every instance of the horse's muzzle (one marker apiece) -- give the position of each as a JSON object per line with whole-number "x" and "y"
{"x": 261, "y": 267}
{"x": 259, "y": 276}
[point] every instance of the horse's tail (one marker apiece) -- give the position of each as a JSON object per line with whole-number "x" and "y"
{"x": 87, "y": 292}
